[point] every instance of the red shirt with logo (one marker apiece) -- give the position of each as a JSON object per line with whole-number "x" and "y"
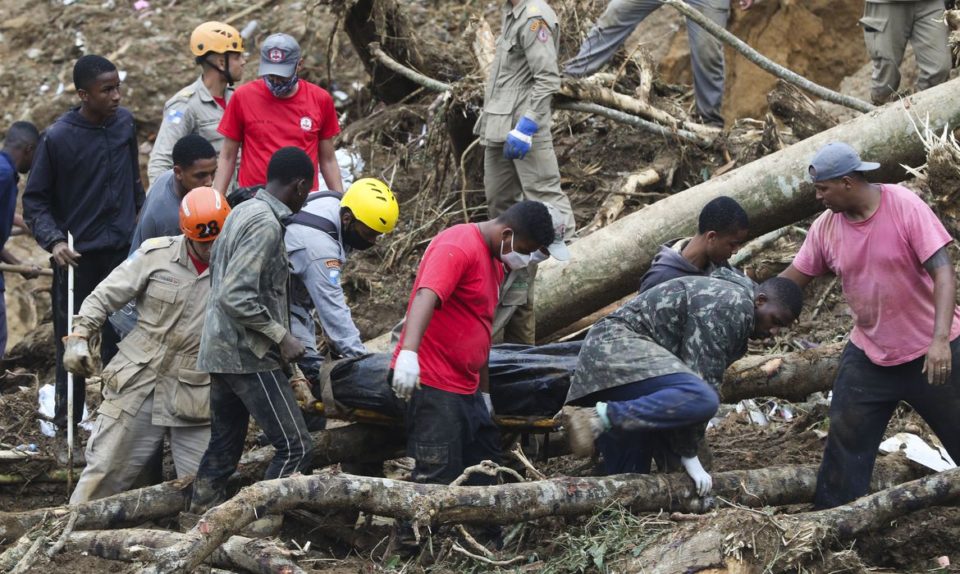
{"x": 459, "y": 268}
{"x": 264, "y": 123}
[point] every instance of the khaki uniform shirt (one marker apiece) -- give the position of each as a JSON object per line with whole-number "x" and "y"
{"x": 160, "y": 355}
{"x": 192, "y": 111}
{"x": 249, "y": 312}
{"x": 524, "y": 74}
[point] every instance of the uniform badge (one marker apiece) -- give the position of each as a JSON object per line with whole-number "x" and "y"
{"x": 306, "y": 123}
{"x": 175, "y": 116}
{"x": 333, "y": 270}
{"x": 544, "y": 33}
{"x": 275, "y": 55}
{"x": 535, "y": 26}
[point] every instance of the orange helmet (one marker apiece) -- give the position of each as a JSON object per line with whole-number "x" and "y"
{"x": 215, "y": 37}
{"x": 202, "y": 213}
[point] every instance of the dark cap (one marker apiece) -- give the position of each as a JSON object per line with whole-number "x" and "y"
{"x": 279, "y": 56}
{"x": 837, "y": 159}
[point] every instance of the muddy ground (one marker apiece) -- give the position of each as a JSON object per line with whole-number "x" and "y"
{"x": 406, "y": 145}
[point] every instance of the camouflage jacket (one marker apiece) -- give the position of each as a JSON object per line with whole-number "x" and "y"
{"x": 248, "y": 313}
{"x": 697, "y": 325}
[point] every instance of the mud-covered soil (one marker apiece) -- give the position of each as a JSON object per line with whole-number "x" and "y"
{"x": 407, "y": 145}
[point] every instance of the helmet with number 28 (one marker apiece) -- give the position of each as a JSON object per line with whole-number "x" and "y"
{"x": 202, "y": 213}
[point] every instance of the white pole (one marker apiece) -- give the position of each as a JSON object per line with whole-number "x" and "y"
{"x": 69, "y": 374}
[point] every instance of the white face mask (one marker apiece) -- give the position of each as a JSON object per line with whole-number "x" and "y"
{"x": 538, "y": 256}
{"x": 513, "y": 260}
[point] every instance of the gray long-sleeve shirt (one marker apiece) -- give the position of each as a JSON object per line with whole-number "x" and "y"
{"x": 248, "y": 314}
{"x": 316, "y": 260}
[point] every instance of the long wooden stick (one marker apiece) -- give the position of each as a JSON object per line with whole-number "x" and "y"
{"x": 8, "y": 268}
{"x": 766, "y": 63}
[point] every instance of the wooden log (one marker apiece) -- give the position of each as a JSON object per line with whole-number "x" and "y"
{"x": 791, "y": 376}
{"x": 774, "y": 190}
{"x": 140, "y": 544}
{"x": 353, "y": 443}
{"x": 593, "y": 92}
{"x": 504, "y": 504}
{"x": 745, "y": 541}
{"x": 794, "y": 108}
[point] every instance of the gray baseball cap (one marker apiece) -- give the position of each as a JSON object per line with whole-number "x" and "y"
{"x": 279, "y": 56}
{"x": 558, "y": 249}
{"x": 837, "y": 159}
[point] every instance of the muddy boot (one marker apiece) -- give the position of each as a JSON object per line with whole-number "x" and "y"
{"x": 266, "y": 527}
{"x": 583, "y": 427}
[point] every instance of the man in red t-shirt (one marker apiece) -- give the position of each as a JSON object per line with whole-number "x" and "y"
{"x": 276, "y": 111}
{"x": 440, "y": 363}
{"x": 890, "y": 252}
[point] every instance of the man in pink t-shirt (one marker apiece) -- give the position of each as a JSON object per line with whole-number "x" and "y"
{"x": 890, "y": 252}
{"x": 440, "y": 363}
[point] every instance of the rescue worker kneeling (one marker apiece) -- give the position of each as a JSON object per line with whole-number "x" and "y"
{"x": 152, "y": 387}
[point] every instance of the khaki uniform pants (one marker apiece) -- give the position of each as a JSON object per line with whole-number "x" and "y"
{"x": 535, "y": 177}
{"x": 886, "y": 30}
{"x": 119, "y": 448}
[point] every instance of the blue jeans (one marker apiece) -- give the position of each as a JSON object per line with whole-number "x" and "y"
{"x": 267, "y": 397}
{"x": 665, "y": 412}
{"x": 864, "y": 398}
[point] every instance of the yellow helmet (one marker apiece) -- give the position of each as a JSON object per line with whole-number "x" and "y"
{"x": 373, "y": 204}
{"x": 215, "y": 37}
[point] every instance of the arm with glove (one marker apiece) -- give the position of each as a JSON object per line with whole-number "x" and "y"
{"x": 538, "y": 39}
{"x": 406, "y": 370}
{"x": 123, "y": 285}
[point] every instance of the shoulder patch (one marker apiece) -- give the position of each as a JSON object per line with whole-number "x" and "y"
{"x": 535, "y": 24}
{"x": 185, "y": 93}
{"x": 544, "y": 33}
{"x": 333, "y": 271}
{"x": 156, "y": 243}
{"x": 175, "y": 116}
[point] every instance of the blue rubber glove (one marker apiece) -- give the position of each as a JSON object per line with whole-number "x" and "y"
{"x": 519, "y": 139}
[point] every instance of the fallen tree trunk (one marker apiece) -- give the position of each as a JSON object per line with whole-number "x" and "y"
{"x": 140, "y": 544}
{"x": 353, "y": 443}
{"x": 794, "y": 108}
{"x": 504, "y": 504}
{"x": 791, "y": 376}
{"x": 745, "y": 541}
{"x": 774, "y": 191}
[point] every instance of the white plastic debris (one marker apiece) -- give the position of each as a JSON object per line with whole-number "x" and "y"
{"x": 754, "y": 414}
{"x": 249, "y": 29}
{"x": 351, "y": 168}
{"x": 122, "y": 74}
{"x": 917, "y": 450}
{"x": 47, "y": 408}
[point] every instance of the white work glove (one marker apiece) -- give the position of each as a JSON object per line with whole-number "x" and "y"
{"x": 76, "y": 356}
{"x": 406, "y": 374}
{"x": 487, "y": 401}
{"x": 701, "y": 479}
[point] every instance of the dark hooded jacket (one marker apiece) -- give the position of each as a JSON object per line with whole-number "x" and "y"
{"x": 669, "y": 263}
{"x": 85, "y": 179}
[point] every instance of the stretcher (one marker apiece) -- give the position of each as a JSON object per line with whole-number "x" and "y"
{"x": 528, "y": 386}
